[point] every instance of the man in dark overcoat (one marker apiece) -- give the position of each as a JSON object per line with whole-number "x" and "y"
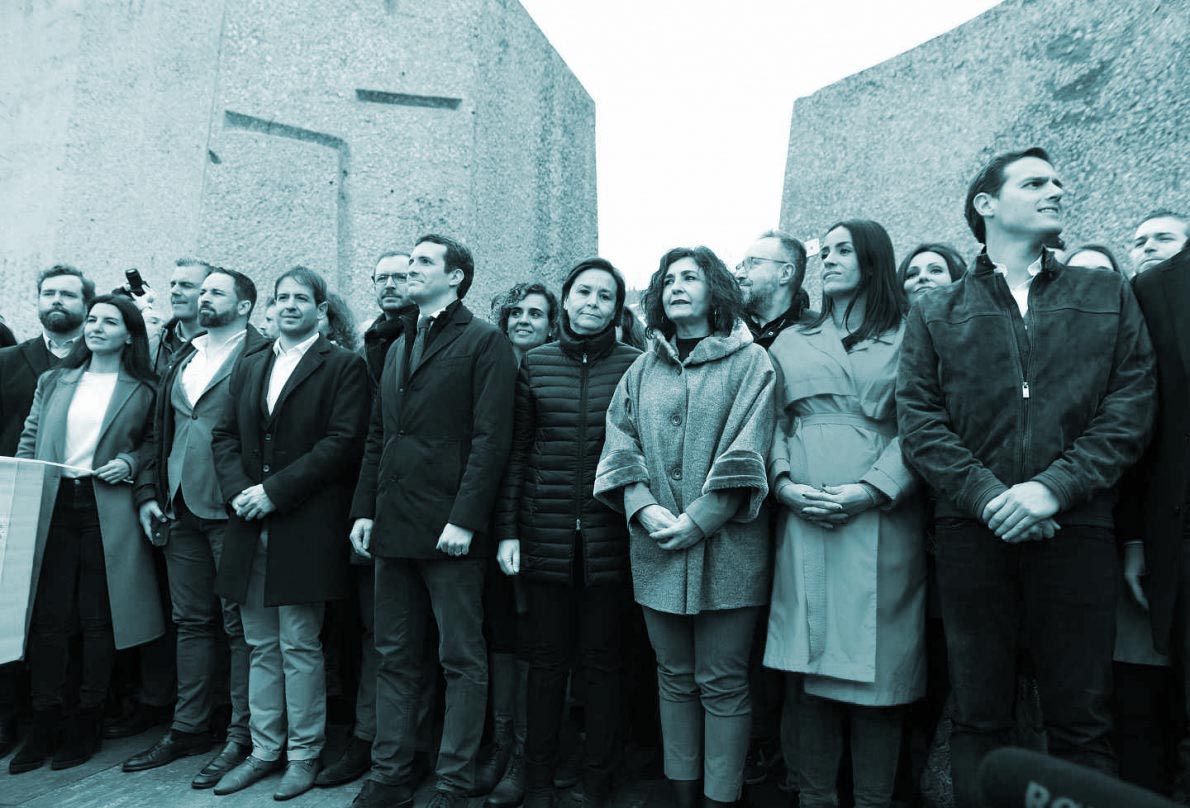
{"x": 287, "y": 451}
{"x": 438, "y": 443}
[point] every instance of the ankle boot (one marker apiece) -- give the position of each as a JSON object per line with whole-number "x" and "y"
{"x": 687, "y": 793}
{"x": 80, "y": 739}
{"x": 40, "y": 743}
{"x": 510, "y": 791}
{"x": 495, "y": 762}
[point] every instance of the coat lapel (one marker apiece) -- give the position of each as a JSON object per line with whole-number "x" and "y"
{"x": 38, "y": 356}
{"x": 1175, "y": 288}
{"x": 445, "y": 337}
{"x": 125, "y": 387}
{"x": 313, "y": 359}
{"x": 51, "y": 428}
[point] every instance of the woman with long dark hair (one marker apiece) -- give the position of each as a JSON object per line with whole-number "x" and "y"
{"x": 569, "y": 548}
{"x": 848, "y": 606}
{"x": 89, "y": 415}
{"x": 688, "y": 433}
{"x": 929, "y": 266}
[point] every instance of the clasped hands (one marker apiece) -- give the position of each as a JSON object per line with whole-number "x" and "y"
{"x": 829, "y": 505}
{"x": 1023, "y": 513}
{"x": 669, "y": 531}
{"x": 253, "y": 503}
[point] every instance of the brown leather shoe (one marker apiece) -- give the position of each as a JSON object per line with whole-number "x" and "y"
{"x": 298, "y": 779}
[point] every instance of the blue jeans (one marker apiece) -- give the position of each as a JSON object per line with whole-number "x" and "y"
{"x": 1056, "y": 599}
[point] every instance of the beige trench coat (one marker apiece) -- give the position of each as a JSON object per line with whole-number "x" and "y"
{"x": 848, "y": 604}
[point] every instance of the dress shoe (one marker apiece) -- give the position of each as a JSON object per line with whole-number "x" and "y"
{"x": 8, "y": 735}
{"x": 141, "y": 718}
{"x": 250, "y": 771}
{"x": 298, "y": 779}
{"x": 510, "y": 791}
{"x": 351, "y": 765}
{"x": 173, "y": 745}
{"x": 379, "y": 795}
{"x": 39, "y": 744}
{"x": 447, "y": 799}
{"x": 232, "y": 755}
{"x": 80, "y": 739}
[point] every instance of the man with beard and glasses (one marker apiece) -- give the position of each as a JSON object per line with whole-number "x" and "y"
{"x": 63, "y": 295}
{"x": 182, "y": 508}
{"x": 770, "y": 278}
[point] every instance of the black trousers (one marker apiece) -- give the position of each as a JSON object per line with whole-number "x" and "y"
{"x": 1056, "y": 599}
{"x": 562, "y": 618}
{"x": 72, "y": 591}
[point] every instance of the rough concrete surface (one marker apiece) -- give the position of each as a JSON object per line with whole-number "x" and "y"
{"x": 263, "y": 133}
{"x": 1105, "y": 87}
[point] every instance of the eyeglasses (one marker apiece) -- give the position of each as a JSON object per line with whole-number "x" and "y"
{"x": 397, "y": 279}
{"x": 749, "y": 263}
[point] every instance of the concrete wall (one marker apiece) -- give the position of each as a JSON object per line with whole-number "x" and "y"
{"x": 263, "y": 133}
{"x": 1105, "y": 87}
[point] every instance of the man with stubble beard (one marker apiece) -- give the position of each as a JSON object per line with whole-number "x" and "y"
{"x": 63, "y": 294}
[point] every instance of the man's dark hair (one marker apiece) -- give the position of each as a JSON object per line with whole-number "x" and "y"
{"x": 505, "y": 302}
{"x": 990, "y": 180}
{"x": 1166, "y": 213}
{"x": 726, "y": 303}
{"x": 57, "y": 270}
{"x": 457, "y": 257}
{"x": 245, "y": 288}
{"x": 794, "y": 250}
{"x": 306, "y": 277}
{"x": 884, "y": 303}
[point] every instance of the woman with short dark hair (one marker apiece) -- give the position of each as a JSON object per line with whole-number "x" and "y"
{"x": 688, "y": 432}
{"x": 848, "y": 608}
{"x": 89, "y": 414}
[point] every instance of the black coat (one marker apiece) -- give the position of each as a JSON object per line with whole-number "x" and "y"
{"x": 151, "y": 483}
{"x": 562, "y": 396}
{"x": 306, "y": 454}
{"x": 20, "y": 366}
{"x": 7, "y": 340}
{"x": 439, "y": 439}
{"x": 1151, "y": 502}
{"x": 379, "y": 337}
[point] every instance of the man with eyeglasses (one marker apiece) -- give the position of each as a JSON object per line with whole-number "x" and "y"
{"x": 390, "y": 282}
{"x": 770, "y": 278}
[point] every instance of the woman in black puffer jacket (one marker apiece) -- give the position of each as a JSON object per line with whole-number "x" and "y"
{"x": 570, "y": 549}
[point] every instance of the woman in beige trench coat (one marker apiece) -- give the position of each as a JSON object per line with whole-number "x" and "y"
{"x": 848, "y": 606}
{"x": 95, "y": 568}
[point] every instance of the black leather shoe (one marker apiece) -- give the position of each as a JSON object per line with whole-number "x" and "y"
{"x": 141, "y": 718}
{"x": 378, "y": 795}
{"x": 80, "y": 739}
{"x": 40, "y": 743}
{"x": 351, "y": 765}
{"x": 232, "y": 755}
{"x": 252, "y": 770}
{"x": 173, "y": 745}
{"x": 8, "y": 735}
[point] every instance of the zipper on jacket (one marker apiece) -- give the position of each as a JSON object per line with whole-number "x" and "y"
{"x": 1012, "y": 312}
{"x": 1031, "y": 337}
{"x": 582, "y": 458}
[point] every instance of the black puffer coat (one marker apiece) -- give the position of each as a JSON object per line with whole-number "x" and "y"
{"x": 562, "y": 396}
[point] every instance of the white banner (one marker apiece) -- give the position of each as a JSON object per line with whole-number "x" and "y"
{"x": 27, "y": 489}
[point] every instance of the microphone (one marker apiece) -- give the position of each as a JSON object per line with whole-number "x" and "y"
{"x": 1018, "y": 778}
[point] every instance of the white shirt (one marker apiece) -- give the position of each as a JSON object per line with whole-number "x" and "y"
{"x": 205, "y": 363}
{"x": 84, "y": 419}
{"x": 1020, "y": 292}
{"x": 58, "y": 347}
{"x": 283, "y": 367}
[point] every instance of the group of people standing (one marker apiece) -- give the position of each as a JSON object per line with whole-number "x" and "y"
{"x": 822, "y": 518}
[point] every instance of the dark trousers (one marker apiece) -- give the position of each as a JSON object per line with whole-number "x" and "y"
{"x": 409, "y": 593}
{"x": 192, "y": 558}
{"x": 875, "y": 740}
{"x": 1145, "y": 738}
{"x": 563, "y": 618}
{"x": 1056, "y": 599}
{"x": 72, "y": 590}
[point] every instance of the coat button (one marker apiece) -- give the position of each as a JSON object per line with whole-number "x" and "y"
{"x": 265, "y": 469}
{"x": 676, "y": 420}
{"x": 400, "y": 432}
{"x": 676, "y": 474}
{"x": 194, "y": 417}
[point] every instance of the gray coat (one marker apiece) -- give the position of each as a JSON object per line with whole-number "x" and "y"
{"x": 131, "y": 578}
{"x": 688, "y": 430}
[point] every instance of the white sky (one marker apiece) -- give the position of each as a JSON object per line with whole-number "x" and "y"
{"x": 693, "y": 101}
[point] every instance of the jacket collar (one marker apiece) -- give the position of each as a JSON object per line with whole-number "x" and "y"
{"x": 125, "y": 386}
{"x": 595, "y": 346}
{"x": 1050, "y": 265}
{"x": 712, "y": 347}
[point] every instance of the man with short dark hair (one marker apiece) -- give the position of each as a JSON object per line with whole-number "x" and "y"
{"x": 182, "y": 508}
{"x": 439, "y": 440}
{"x": 287, "y": 451}
{"x": 1019, "y": 442}
{"x": 1159, "y": 236}
{"x": 770, "y": 277}
{"x": 63, "y": 295}
{"x": 185, "y": 284}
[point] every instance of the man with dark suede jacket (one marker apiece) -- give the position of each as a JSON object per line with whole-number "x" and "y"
{"x": 1025, "y": 391}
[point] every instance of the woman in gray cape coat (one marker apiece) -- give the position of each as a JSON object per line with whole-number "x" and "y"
{"x": 688, "y": 431}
